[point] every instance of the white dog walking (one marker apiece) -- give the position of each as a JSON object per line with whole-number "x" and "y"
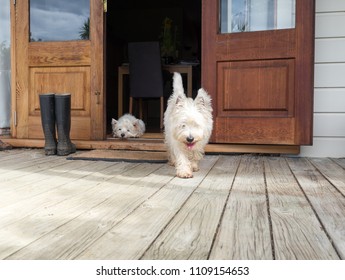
{"x": 188, "y": 127}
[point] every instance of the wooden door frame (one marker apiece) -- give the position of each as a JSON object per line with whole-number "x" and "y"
{"x": 305, "y": 82}
{"x": 98, "y": 68}
{"x": 13, "y": 71}
{"x": 304, "y": 35}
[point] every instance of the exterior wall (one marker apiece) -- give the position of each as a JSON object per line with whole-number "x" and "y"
{"x": 329, "y": 93}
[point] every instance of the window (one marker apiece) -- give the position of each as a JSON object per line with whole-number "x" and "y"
{"x": 256, "y": 15}
{"x": 5, "y": 64}
{"x": 62, "y": 20}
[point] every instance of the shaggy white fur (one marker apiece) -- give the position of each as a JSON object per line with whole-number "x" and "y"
{"x": 188, "y": 126}
{"x": 127, "y": 126}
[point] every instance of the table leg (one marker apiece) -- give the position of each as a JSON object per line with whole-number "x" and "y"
{"x": 189, "y": 82}
{"x": 120, "y": 94}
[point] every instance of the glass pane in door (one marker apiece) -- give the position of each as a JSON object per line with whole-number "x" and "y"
{"x": 5, "y": 65}
{"x": 59, "y": 20}
{"x": 256, "y": 15}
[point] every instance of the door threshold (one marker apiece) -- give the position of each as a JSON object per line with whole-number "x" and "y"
{"x": 157, "y": 144}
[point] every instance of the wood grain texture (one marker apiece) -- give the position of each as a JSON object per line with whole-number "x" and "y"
{"x": 70, "y": 206}
{"x": 278, "y": 131}
{"x": 59, "y": 53}
{"x": 340, "y": 161}
{"x": 247, "y": 88}
{"x": 327, "y": 201}
{"x": 297, "y": 234}
{"x": 158, "y": 145}
{"x": 119, "y": 155}
{"x": 333, "y": 172}
{"x": 144, "y": 224}
{"x": 244, "y": 230}
{"x": 21, "y": 96}
{"x": 236, "y": 207}
{"x": 190, "y": 233}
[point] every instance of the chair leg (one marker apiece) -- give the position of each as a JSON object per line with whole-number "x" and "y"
{"x": 162, "y": 112}
{"x": 130, "y": 105}
{"x": 141, "y": 108}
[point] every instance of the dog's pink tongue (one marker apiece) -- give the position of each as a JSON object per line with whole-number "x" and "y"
{"x": 190, "y": 146}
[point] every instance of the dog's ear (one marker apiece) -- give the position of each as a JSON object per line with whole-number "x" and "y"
{"x": 203, "y": 100}
{"x": 179, "y": 100}
{"x": 113, "y": 121}
{"x": 136, "y": 123}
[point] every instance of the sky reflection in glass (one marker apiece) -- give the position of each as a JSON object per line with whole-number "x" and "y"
{"x": 62, "y": 20}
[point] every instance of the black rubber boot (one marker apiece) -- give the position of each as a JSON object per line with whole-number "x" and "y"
{"x": 47, "y": 105}
{"x": 63, "y": 123}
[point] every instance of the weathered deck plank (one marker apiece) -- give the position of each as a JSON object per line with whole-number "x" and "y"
{"x": 41, "y": 195}
{"x": 340, "y": 162}
{"x": 333, "y": 172}
{"x": 19, "y": 154}
{"x": 118, "y": 197}
{"x": 328, "y": 203}
{"x": 297, "y": 233}
{"x": 244, "y": 232}
{"x": 56, "y": 208}
{"x": 130, "y": 238}
{"x": 236, "y": 207}
{"x": 30, "y": 183}
{"x": 191, "y": 232}
{"x": 30, "y": 167}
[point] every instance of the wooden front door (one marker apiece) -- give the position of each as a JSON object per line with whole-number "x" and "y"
{"x": 59, "y": 49}
{"x": 257, "y": 64}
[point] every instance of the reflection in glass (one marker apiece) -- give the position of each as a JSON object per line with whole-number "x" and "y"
{"x": 59, "y": 20}
{"x": 256, "y": 15}
{"x": 5, "y": 38}
{"x": 5, "y": 64}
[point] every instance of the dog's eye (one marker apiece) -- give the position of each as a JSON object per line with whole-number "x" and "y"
{"x": 183, "y": 126}
{"x": 119, "y": 128}
{"x": 128, "y": 130}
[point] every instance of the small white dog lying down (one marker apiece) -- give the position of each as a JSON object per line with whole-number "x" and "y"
{"x": 127, "y": 126}
{"x": 188, "y": 127}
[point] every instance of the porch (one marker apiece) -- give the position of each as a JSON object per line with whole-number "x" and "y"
{"x": 235, "y": 207}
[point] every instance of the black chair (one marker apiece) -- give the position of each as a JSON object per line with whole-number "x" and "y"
{"x": 146, "y": 76}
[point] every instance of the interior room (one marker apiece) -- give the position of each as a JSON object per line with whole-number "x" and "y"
{"x": 145, "y": 21}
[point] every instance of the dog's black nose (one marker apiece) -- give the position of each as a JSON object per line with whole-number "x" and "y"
{"x": 190, "y": 139}
{"x": 122, "y": 135}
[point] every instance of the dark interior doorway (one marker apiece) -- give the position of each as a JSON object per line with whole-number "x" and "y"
{"x": 137, "y": 20}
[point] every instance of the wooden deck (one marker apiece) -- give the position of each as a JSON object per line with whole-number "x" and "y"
{"x": 235, "y": 207}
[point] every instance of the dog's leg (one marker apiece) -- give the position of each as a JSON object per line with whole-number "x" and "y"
{"x": 171, "y": 159}
{"x": 195, "y": 165}
{"x": 197, "y": 156}
{"x": 171, "y": 156}
{"x": 183, "y": 167}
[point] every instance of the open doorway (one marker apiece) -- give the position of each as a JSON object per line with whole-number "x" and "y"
{"x": 137, "y": 20}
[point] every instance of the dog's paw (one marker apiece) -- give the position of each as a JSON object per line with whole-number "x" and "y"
{"x": 184, "y": 174}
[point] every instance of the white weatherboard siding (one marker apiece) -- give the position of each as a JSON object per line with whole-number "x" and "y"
{"x": 330, "y": 6}
{"x": 329, "y": 93}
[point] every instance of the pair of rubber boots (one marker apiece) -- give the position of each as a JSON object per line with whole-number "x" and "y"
{"x": 56, "y": 110}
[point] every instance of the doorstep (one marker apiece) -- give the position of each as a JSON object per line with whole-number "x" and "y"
{"x": 146, "y": 144}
